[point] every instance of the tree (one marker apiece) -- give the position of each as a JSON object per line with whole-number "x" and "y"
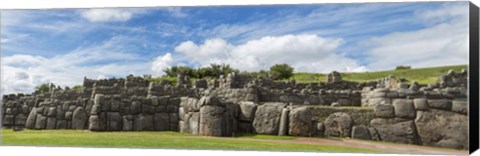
{"x": 43, "y": 88}
{"x": 77, "y": 87}
{"x": 403, "y": 67}
{"x": 281, "y": 71}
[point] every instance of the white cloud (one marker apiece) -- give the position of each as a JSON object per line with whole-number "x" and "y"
{"x": 112, "y": 58}
{"x": 160, "y": 63}
{"x": 306, "y": 53}
{"x": 444, "y": 43}
{"x": 108, "y": 15}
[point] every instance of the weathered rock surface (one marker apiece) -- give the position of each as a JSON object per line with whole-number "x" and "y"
{"x": 338, "y": 125}
{"x": 300, "y": 123}
{"x": 442, "y": 128}
{"x": 404, "y": 108}
{"x": 30, "y": 123}
{"x": 361, "y": 132}
{"x": 395, "y": 130}
{"x": 267, "y": 118}
{"x": 79, "y": 118}
{"x": 384, "y": 110}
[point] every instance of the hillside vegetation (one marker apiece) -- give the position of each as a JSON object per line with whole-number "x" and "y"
{"x": 421, "y": 75}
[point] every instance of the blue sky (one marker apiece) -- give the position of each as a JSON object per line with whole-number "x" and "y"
{"x": 64, "y": 45}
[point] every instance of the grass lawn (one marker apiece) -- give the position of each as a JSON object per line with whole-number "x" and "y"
{"x": 170, "y": 140}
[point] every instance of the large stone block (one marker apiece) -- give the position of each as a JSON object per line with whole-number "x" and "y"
{"x": 211, "y": 120}
{"x": 442, "y": 128}
{"x": 404, "y": 108}
{"x": 61, "y": 124}
{"x": 79, "y": 118}
{"x": 338, "y": 124}
{"x": 143, "y": 122}
{"x": 136, "y": 108}
{"x": 420, "y": 103}
{"x": 384, "y": 111}
{"x": 267, "y": 118}
{"x": 361, "y": 132}
{"x": 161, "y": 122}
{"x": 41, "y": 122}
{"x": 8, "y": 120}
{"x": 300, "y": 122}
{"x": 20, "y": 120}
{"x": 247, "y": 111}
{"x": 194, "y": 123}
{"x": 127, "y": 123}
{"x": 460, "y": 106}
{"x": 395, "y": 130}
{"x": 114, "y": 121}
{"x": 378, "y": 101}
{"x": 444, "y": 104}
{"x": 51, "y": 123}
{"x": 95, "y": 123}
{"x": 30, "y": 123}
{"x": 51, "y": 111}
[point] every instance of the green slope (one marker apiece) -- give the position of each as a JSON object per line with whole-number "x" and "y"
{"x": 421, "y": 75}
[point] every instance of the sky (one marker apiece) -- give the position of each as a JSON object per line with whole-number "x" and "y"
{"x": 62, "y": 46}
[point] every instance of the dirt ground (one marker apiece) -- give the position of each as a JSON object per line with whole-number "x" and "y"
{"x": 374, "y": 145}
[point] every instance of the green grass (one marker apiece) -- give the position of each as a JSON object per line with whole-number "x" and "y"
{"x": 170, "y": 140}
{"x": 421, "y": 75}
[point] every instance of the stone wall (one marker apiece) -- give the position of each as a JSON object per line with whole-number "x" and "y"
{"x": 388, "y": 109}
{"x": 15, "y": 109}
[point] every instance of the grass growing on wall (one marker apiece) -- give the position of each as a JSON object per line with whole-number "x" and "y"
{"x": 171, "y": 140}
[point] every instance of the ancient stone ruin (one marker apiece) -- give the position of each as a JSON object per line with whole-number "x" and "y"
{"x": 388, "y": 109}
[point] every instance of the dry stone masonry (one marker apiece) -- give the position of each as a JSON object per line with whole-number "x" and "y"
{"x": 388, "y": 109}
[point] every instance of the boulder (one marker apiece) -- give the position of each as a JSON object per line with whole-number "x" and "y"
{"x": 267, "y": 118}
{"x": 68, "y": 115}
{"x": 143, "y": 122}
{"x": 51, "y": 123}
{"x": 442, "y": 128}
{"x": 384, "y": 111}
{"x": 377, "y": 101}
{"x": 20, "y": 120}
{"x": 247, "y": 110}
{"x": 300, "y": 123}
{"x": 395, "y": 130}
{"x": 51, "y": 111}
{"x": 61, "y": 124}
{"x": 40, "y": 122}
{"x": 136, "y": 108}
{"x": 114, "y": 121}
{"x": 30, "y": 123}
{"x": 404, "y": 108}
{"x": 94, "y": 123}
{"x": 420, "y": 103}
{"x": 361, "y": 132}
{"x": 194, "y": 123}
{"x": 444, "y": 104}
{"x": 460, "y": 106}
{"x": 338, "y": 124}
{"x": 127, "y": 123}
{"x": 79, "y": 118}
{"x": 211, "y": 120}
{"x": 161, "y": 122}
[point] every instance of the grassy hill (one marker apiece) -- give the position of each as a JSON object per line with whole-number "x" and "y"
{"x": 421, "y": 75}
